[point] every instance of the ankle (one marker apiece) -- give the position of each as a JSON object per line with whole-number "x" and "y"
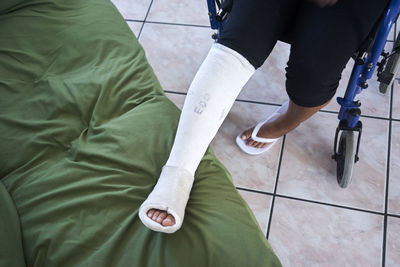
{"x": 283, "y": 125}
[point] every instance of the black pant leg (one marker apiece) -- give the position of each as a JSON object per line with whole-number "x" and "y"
{"x": 323, "y": 41}
{"x": 254, "y": 26}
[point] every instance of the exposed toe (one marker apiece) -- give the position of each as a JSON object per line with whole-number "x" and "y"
{"x": 255, "y": 144}
{"x": 150, "y": 213}
{"x": 247, "y": 134}
{"x": 250, "y": 142}
{"x": 162, "y": 216}
{"x": 170, "y": 220}
{"x": 155, "y": 215}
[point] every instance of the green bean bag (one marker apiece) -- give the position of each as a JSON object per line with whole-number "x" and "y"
{"x": 85, "y": 129}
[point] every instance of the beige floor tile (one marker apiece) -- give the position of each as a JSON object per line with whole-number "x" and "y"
{"x": 393, "y": 242}
{"x": 394, "y": 178}
{"x": 306, "y": 234}
{"x": 135, "y": 27}
{"x": 177, "y": 99}
{"x": 307, "y": 170}
{"x": 392, "y": 36}
{"x": 177, "y": 11}
{"x": 398, "y": 72}
{"x": 396, "y": 100}
{"x": 252, "y": 172}
{"x": 133, "y": 9}
{"x": 175, "y": 52}
{"x": 397, "y": 30}
{"x": 260, "y": 205}
{"x": 268, "y": 83}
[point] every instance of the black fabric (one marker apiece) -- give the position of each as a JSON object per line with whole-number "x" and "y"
{"x": 322, "y": 39}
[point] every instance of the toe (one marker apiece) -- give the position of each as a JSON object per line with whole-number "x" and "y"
{"x": 155, "y": 215}
{"x": 169, "y": 221}
{"x": 150, "y": 213}
{"x": 247, "y": 134}
{"x": 162, "y": 216}
{"x": 254, "y": 144}
{"x": 260, "y": 145}
{"x": 250, "y": 142}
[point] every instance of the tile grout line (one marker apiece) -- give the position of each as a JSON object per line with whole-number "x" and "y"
{"x": 387, "y": 176}
{"x": 174, "y": 92}
{"x": 276, "y": 187}
{"x": 316, "y": 202}
{"x": 362, "y": 116}
{"x": 254, "y": 191}
{"x": 177, "y": 24}
{"x": 393, "y": 215}
{"x": 144, "y": 20}
{"x": 169, "y": 23}
{"x": 386, "y": 196}
{"x": 388, "y": 167}
{"x": 134, "y": 20}
{"x": 278, "y": 105}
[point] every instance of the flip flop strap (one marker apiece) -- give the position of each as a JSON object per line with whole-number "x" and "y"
{"x": 261, "y": 139}
{"x": 258, "y": 126}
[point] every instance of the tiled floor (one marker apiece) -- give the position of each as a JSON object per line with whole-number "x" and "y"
{"x": 292, "y": 189}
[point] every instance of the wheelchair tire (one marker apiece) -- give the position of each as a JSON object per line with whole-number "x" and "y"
{"x": 391, "y": 68}
{"x": 346, "y": 158}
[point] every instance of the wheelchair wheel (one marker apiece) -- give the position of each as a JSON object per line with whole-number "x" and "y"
{"x": 346, "y": 158}
{"x": 390, "y": 69}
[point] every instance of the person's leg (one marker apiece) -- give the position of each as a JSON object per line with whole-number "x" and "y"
{"x": 247, "y": 39}
{"x": 323, "y": 41}
{"x": 283, "y": 124}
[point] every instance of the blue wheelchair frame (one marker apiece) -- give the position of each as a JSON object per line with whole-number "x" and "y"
{"x": 364, "y": 67}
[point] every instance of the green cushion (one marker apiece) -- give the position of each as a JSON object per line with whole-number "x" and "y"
{"x": 11, "y": 252}
{"x": 85, "y": 130}
{"x": 8, "y": 5}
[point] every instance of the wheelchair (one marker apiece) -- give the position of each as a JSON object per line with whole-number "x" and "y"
{"x": 366, "y": 59}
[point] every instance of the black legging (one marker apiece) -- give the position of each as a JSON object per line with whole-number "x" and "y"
{"x": 322, "y": 39}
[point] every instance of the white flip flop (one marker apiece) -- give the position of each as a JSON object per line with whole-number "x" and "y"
{"x": 256, "y": 151}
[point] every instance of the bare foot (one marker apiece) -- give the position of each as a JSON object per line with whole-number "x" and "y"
{"x": 161, "y": 217}
{"x": 268, "y": 130}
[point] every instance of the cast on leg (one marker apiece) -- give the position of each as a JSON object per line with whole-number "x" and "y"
{"x": 211, "y": 95}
